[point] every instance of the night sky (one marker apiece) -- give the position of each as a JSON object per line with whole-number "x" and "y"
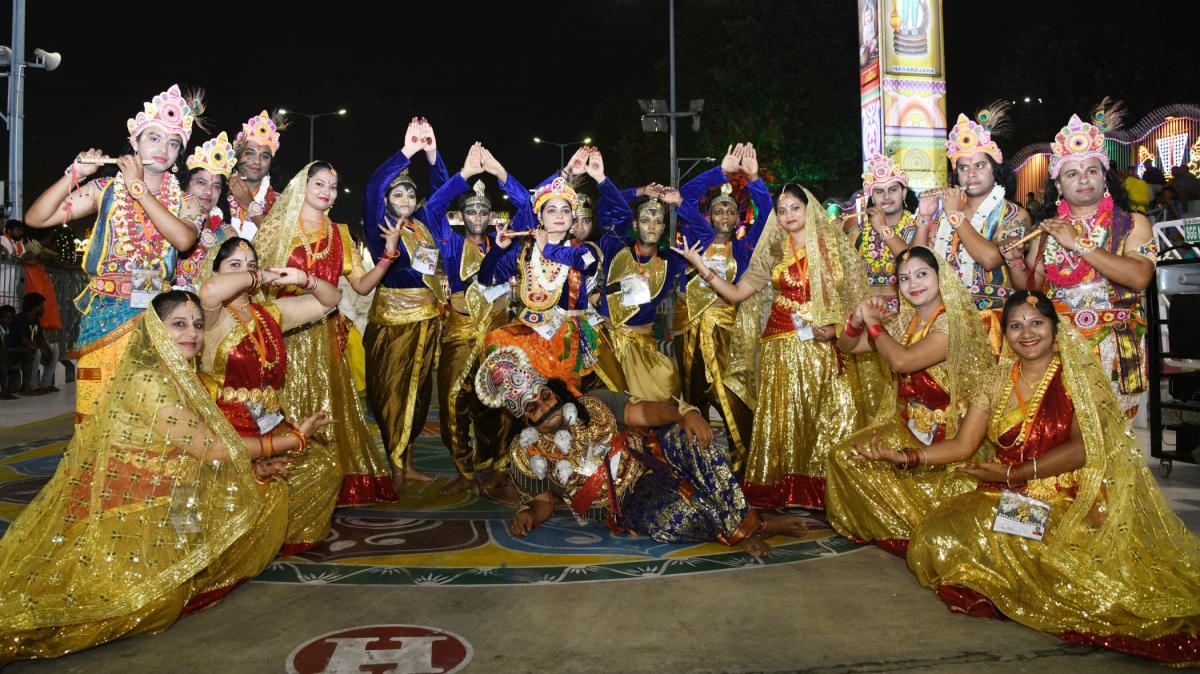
{"x": 505, "y": 72}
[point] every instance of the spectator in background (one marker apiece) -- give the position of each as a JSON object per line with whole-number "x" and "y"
{"x": 1137, "y": 189}
{"x": 13, "y": 240}
{"x": 7, "y": 356}
{"x": 1032, "y": 205}
{"x": 27, "y": 339}
{"x": 1154, "y": 177}
{"x": 1169, "y": 202}
{"x": 1187, "y": 188}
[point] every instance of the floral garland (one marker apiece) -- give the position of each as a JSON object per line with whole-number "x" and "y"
{"x": 135, "y": 236}
{"x": 1067, "y": 268}
{"x": 878, "y": 257}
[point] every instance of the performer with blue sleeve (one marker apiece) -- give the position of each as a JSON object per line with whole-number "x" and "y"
{"x": 406, "y": 315}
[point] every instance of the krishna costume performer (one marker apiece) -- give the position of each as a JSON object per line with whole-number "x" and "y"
{"x": 806, "y": 396}
{"x": 649, "y": 481}
{"x": 1116, "y": 567}
{"x": 127, "y": 253}
{"x": 875, "y": 501}
{"x": 262, "y": 130}
{"x": 154, "y": 510}
{"x": 996, "y": 219}
{"x": 551, "y": 287}
{"x": 475, "y": 310}
{"x": 703, "y": 321}
{"x": 878, "y": 257}
{"x": 217, "y": 157}
{"x": 324, "y": 381}
{"x": 629, "y": 303}
{"x": 1107, "y": 314}
{"x": 403, "y": 337}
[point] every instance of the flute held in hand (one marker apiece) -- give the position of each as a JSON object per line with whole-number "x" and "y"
{"x": 1031, "y": 235}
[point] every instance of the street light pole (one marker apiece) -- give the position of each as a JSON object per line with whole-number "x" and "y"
{"x": 562, "y": 147}
{"x": 312, "y": 124}
{"x": 15, "y": 119}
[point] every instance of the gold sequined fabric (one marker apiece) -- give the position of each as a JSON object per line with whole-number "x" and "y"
{"x": 318, "y": 378}
{"x": 401, "y": 363}
{"x": 702, "y": 351}
{"x": 153, "y": 489}
{"x": 1115, "y": 560}
{"x": 649, "y": 374}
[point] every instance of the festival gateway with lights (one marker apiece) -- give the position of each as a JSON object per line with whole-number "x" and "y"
{"x": 924, "y": 365}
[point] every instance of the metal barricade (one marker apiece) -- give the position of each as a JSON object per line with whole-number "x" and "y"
{"x": 67, "y": 283}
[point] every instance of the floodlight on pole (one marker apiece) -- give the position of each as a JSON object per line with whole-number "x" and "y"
{"x": 562, "y": 147}
{"x": 312, "y": 123}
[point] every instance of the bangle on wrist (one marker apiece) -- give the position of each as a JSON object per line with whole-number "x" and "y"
{"x": 390, "y": 257}
{"x": 268, "y": 446}
{"x": 875, "y": 331}
{"x": 849, "y": 329}
{"x": 137, "y": 188}
{"x": 684, "y": 407}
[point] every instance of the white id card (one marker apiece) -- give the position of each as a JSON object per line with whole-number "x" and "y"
{"x": 635, "y": 290}
{"x": 925, "y": 438}
{"x": 553, "y": 321}
{"x": 593, "y": 317}
{"x": 146, "y": 283}
{"x": 493, "y": 293}
{"x": 1021, "y": 515}
{"x": 267, "y": 421}
{"x": 425, "y": 260}
{"x": 804, "y": 329}
{"x": 718, "y": 264}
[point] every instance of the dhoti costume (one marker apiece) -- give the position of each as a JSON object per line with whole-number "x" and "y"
{"x": 473, "y": 432}
{"x": 703, "y": 321}
{"x": 405, "y": 324}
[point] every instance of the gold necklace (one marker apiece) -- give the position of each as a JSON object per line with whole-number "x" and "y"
{"x": 322, "y": 253}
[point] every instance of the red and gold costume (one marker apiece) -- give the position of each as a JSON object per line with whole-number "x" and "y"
{"x": 1116, "y": 567}
{"x": 874, "y": 501}
{"x": 807, "y": 396}
{"x": 246, "y": 369}
{"x": 319, "y": 378}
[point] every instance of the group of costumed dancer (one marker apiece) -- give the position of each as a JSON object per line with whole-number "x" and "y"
{"x": 924, "y": 370}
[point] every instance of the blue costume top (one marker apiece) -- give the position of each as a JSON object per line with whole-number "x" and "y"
{"x": 401, "y": 274}
{"x": 695, "y": 225}
{"x": 451, "y": 242}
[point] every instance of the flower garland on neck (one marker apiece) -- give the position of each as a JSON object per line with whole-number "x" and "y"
{"x": 1067, "y": 268}
{"x": 134, "y": 233}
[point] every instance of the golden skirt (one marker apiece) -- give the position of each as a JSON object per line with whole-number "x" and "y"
{"x": 876, "y": 502}
{"x": 53, "y": 642}
{"x": 313, "y": 486}
{"x": 649, "y": 373}
{"x": 955, "y": 547}
{"x": 400, "y": 366}
{"x": 702, "y": 350}
{"x": 251, "y": 553}
{"x": 96, "y": 367}
{"x": 318, "y": 378}
{"x": 806, "y": 405}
